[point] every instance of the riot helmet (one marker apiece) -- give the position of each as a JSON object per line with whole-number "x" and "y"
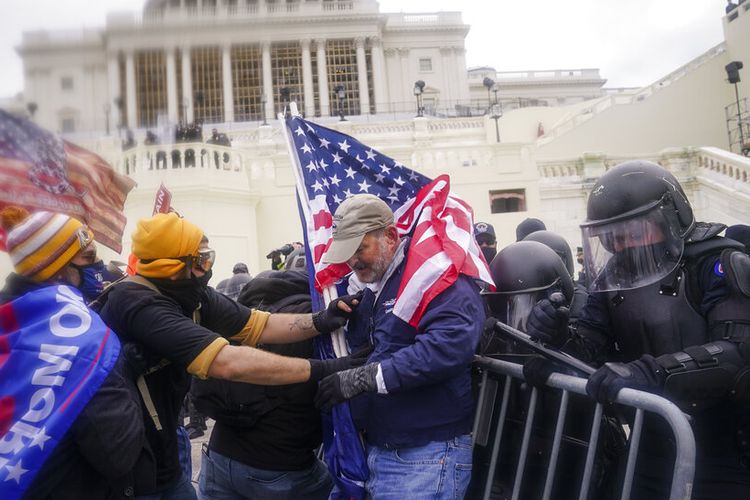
{"x": 556, "y": 243}
{"x": 637, "y": 219}
{"x": 525, "y": 272}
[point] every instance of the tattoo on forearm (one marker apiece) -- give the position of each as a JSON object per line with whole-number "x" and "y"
{"x": 301, "y": 323}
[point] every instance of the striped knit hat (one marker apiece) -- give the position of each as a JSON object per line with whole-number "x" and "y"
{"x": 41, "y": 244}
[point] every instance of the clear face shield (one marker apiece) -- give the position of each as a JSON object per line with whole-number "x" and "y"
{"x": 514, "y": 308}
{"x": 632, "y": 252}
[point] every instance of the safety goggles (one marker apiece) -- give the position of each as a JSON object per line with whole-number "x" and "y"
{"x": 205, "y": 260}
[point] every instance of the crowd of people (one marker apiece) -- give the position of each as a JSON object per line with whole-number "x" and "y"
{"x": 661, "y": 305}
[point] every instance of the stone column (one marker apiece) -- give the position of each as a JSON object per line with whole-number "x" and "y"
{"x": 307, "y": 78}
{"x": 113, "y": 79}
{"x": 378, "y": 75}
{"x": 449, "y": 75}
{"x": 187, "y": 86}
{"x": 364, "y": 94}
{"x": 268, "y": 81}
{"x": 323, "y": 92}
{"x": 407, "y": 84}
{"x": 463, "y": 76}
{"x": 226, "y": 77}
{"x": 130, "y": 89}
{"x": 172, "y": 104}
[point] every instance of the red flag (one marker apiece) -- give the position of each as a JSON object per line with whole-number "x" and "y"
{"x": 162, "y": 201}
{"x": 40, "y": 171}
{"x": 2, "y": 240}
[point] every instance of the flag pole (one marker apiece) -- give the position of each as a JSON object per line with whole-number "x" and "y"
{"x": 330, "y": 293}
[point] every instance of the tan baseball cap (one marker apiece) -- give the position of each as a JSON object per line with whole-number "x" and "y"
{"x": 354, "y": 218}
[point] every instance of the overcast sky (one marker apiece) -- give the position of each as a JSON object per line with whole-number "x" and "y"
{"x": 633, "y": 42}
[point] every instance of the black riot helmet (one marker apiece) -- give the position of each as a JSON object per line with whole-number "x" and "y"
{"x": 525, "y": 272}
{"x": 556, "y": 243}
{"x": 637, "y": 219}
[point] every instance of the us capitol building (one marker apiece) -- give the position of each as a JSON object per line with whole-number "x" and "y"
{"x": 516, "y": 144}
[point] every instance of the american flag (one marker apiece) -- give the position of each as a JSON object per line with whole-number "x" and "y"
{"x": 333, "y": 166}
{"x": 40, "y": 171}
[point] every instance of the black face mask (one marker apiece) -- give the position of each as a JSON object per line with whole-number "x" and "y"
{"x": 187, "y": 292}
{"x": 489, "y": 253}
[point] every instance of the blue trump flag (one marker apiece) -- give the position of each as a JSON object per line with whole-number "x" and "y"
{"x": 54, "y": 355}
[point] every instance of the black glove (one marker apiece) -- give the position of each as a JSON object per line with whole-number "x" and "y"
{"x": 644, "y": 374}
{"x": 135, "y": 358}
{"x": 321, "y": 368}
{"x": 344, "y": 385}
{"x": 536, "y": 370}
{"x": 548, "y": 321}
{"x": 332, "y": 318}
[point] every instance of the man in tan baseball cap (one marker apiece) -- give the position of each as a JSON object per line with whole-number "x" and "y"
{"x": 364, "y": 237}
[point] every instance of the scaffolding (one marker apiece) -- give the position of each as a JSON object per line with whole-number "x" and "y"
{"x": 738, "y": 125}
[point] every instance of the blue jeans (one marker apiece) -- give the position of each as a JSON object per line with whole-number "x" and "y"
{"x": 181, "y": 490}
{"x": 437, "y": 470}
{"x": 222, "y": 478}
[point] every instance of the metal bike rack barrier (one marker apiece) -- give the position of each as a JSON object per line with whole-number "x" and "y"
{"x": 684, "y": 466}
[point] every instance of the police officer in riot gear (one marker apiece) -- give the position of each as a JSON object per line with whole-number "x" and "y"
{"x": 562, "y": 249}
{"x": 669, "y": 313}
{"x": 526, "y": 273}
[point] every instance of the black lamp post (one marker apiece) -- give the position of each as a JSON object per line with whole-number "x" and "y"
{"x": 418, "y": 91}
{"x": 284, "y": 94}
{"x": 31, "y": 107}
{"x": 340, "y": 96}
{"x": 733, "y": 76}
{"x": 489, "y": 83}
{"x": 263, "y": 101}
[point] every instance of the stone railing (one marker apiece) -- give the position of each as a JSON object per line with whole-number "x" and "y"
{"x": 427, "y": 19}
{"x": 169, "y": 157}
{"x": 727, "y": 169}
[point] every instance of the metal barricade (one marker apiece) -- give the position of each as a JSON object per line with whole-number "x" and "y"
{"x": 485, "y": 426}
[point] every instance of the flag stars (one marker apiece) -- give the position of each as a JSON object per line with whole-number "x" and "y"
{"x": 309, "y": 127}
{"x": 370, "y": 154}
{"x": 15, "y": 472}
{"x": 413, "y": 176}
{"x": 385, "y": 169}
{"x": 349, "y": 173}
{"x": 39, "y": 439}
{"x": 336, "y": 158}
{"x": 364, "y": 187}
{"x": 344, "y": 146}
{"x": 394, "y": 191}
{"x": 306, "y": 148}
{"x": 311, "y": 167}
{"x": 379, "y": 178}
{"x": 336, "y": 199}
{"x": 348, "y": 193}
{"x": 323, "y": 164}
{"x": 335, "y": 180}
{"x": 398, "y": 180}
{"x": 324, "y": 143}
{"x": 299, "y": 131}
{"x": 317, "y": 186}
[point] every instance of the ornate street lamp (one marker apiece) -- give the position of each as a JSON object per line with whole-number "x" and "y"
{"x": 490, "y": 84}
{"x": 496, "y": 112}
{"x": 340, "y": 96}
{"x": 418, "y": 91}
{"x": 31, "y": 107}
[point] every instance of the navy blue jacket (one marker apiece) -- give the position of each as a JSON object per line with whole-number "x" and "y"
{"x": 426, "y": 370}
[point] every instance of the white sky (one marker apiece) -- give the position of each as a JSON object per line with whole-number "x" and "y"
{"x": 633, "y": 42}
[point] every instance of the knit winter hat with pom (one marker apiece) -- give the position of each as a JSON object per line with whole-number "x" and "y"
{"x": 42, "y": 243}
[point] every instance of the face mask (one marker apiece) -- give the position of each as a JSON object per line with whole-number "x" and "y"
{"x": 92, "y": 280}
{"x": 489, "y": 253}
{"x": 203, "y": 280}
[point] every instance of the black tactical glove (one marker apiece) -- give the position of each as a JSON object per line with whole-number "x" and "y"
{"x": 536, "y": 370}
{"x": 321, "y": 368}
{"x": 548, "y": 321}
{"x": 644, "y": 374}
{"x": 344, "y": 385}
{"x": 332, "y": 317}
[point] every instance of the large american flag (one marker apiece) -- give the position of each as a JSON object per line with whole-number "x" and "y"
{"x": 333, "y": 166}
{"x": 40, "y": 171}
